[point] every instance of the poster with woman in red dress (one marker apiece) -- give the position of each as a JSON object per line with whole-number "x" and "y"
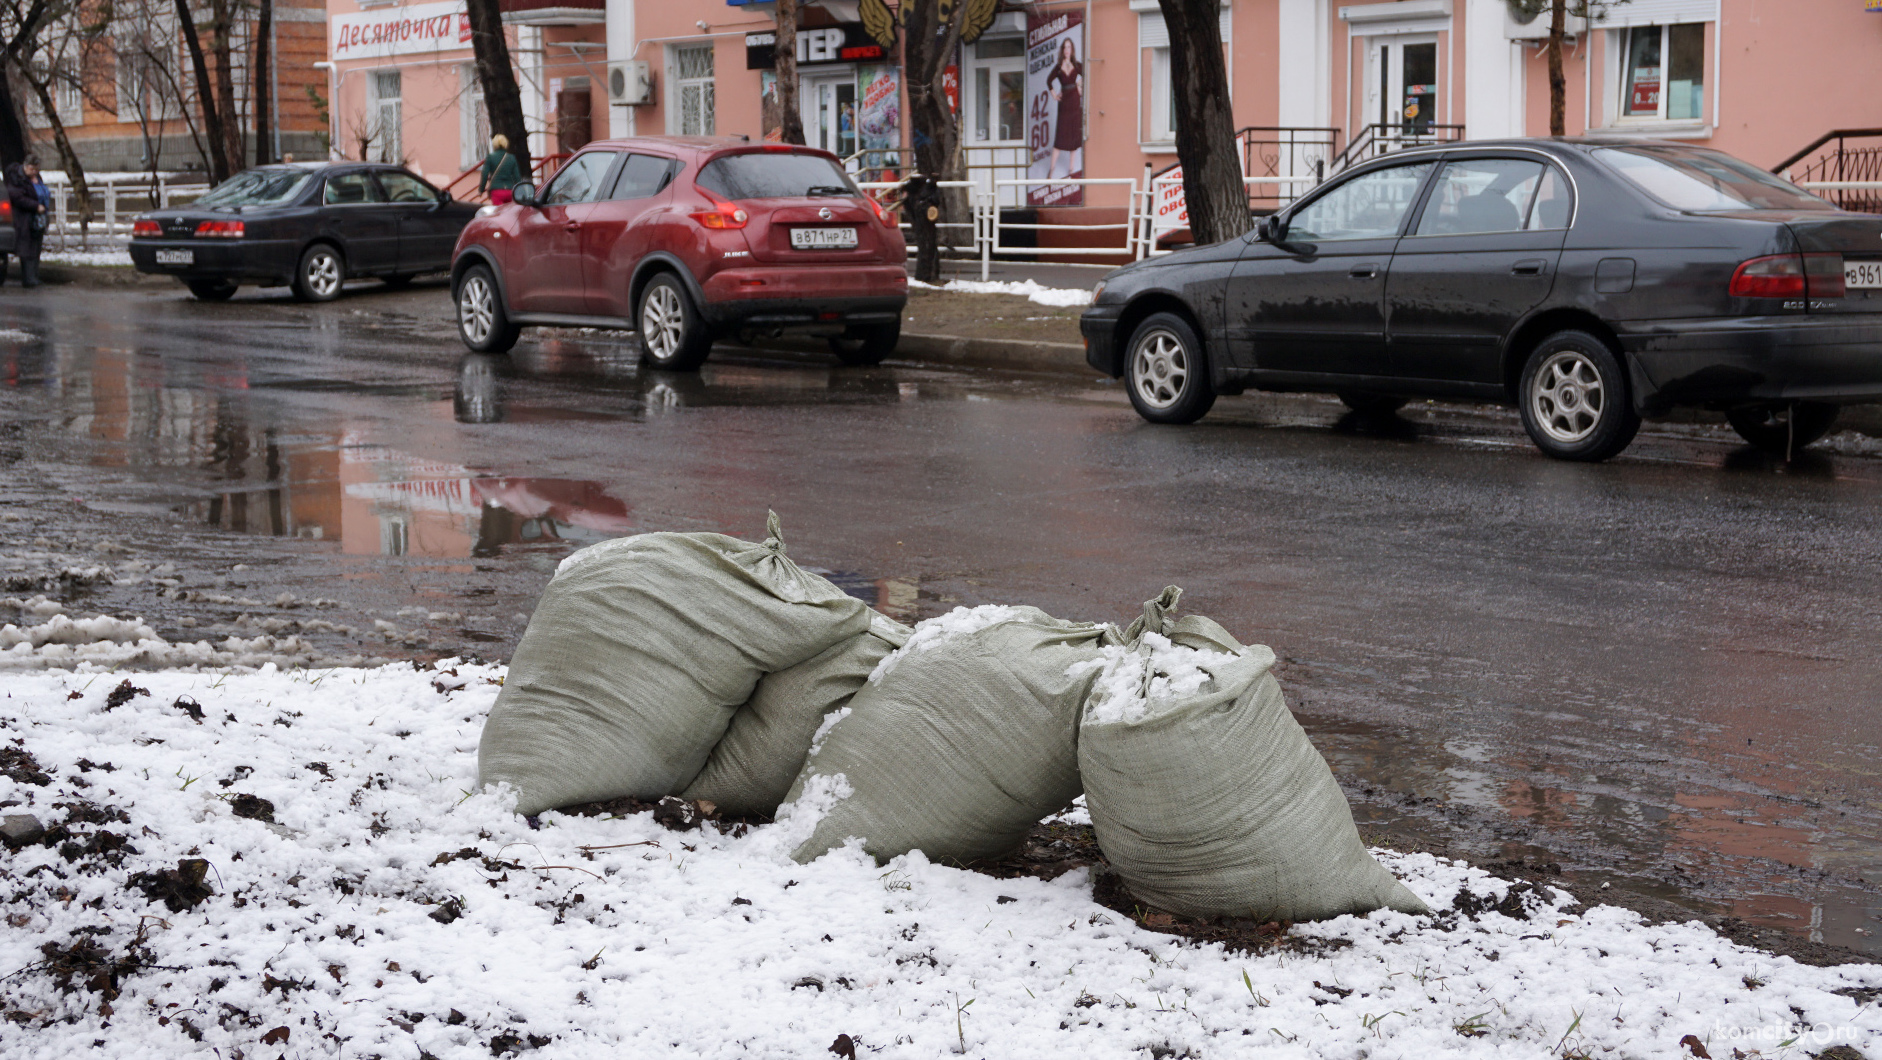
{"x": 1055, "y": 89}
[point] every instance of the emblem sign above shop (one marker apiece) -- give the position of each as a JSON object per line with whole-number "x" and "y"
{"x": 845, "y": 42}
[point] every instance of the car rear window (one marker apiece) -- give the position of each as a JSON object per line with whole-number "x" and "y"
{"x": 771, "y": 175}
{"x": 257, "y": 187}
{"x": 1706, "y": 180}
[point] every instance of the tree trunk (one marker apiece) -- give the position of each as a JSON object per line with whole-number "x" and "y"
{"x": 261, "y": 86}
{"x": 1213, "y": 191}
{"x": 214, "y": 154}
{"x": 74, "y": 170}
{"x": 502, "y": 98}
{"x": 222, "y": 43}
{"x": 1558, "y": 85}
{"x": 13, "y": 137}
{"x": 790, "y": 117}
{"x": 929, "y": 40}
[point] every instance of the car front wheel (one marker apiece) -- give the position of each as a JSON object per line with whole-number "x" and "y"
{"x": 1785, "y": 427}
{"x": 1167, "y": 372}
{"x": 672, "y": 336}
{"x": 481, "y": 321}
{"x": 1574, "y": 398}
{"x": 321, "y": 273}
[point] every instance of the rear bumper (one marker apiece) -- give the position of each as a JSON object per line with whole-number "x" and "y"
{"x": 800, "y": 296}
{"x": 1738, "y": 360}
{"x": 1099, "y": 326}
{"x": 262, "y": 261}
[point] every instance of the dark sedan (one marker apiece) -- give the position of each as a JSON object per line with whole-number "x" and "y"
{"x": 309, "y": 225}
{"x": 1590, "y": 282}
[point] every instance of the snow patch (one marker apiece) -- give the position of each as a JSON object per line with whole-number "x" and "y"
{"x": 1030, "y": 289}
{"x": 1134, "y": 682}
{"x": 939, "y": 630}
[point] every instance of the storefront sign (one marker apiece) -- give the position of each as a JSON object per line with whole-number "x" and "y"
{"x": 1872, "y": 6}
{"x": 845, "y": 42}
{"x": 1055, "y": 94}
{"x": 407, "y": 30}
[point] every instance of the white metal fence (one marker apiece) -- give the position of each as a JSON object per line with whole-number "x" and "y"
{"x": 117, "y": 199}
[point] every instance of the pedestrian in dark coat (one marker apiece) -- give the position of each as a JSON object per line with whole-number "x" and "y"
{"x": 27, "y": 230}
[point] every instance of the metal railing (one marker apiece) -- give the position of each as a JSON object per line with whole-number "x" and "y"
{"x": 1849, "y": 173}
{"x": 1288, "y": 151}
{"x": 117, "y": 199}
{"x": 1158, "y": 219}
{"x": 1128, "y": 226}
{"x": 1376, "y": 140}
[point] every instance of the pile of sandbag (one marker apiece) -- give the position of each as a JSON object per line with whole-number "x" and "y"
{"x": 716, "y": 669}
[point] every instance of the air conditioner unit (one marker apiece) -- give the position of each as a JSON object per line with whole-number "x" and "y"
{"x": 1536, "y": 27}
{"x": 630, "y": 83}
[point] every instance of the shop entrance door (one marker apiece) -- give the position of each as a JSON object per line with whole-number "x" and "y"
{"x": 829, "y": 108}
{"x": 1402, "y": 83}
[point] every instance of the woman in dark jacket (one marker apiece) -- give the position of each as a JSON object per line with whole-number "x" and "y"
{"x": 27, "y": 235}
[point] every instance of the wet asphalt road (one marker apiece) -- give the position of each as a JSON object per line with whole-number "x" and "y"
{"x": 1660, "y": 672}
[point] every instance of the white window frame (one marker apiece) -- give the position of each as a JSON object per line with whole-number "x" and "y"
{"x": 1155, "y": 106}
{"x": 678, "y": 86}
{"x": 973, "y": 101}
{"x": 388, "y": 143}
{"x": 68, "y": 96}
{"x": 1624, "y": 41}
{"x": 473, "y": 121}
{"x": 1615, "y": 81}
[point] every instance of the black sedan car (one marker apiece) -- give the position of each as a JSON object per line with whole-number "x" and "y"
{"x": 1590, "y": 282}
{"x": 310, "y": 225}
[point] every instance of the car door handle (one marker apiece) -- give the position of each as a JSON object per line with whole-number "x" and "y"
{"x": 1533, "y": 267}
{"x": 573, "y": 226}
{"x": 1368, "y": 271}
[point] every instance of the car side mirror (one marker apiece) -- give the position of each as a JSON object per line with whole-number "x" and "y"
{"x": 524, "y": 193}
{"x": 1272, "y": 229}
{"x": 444, "y": 199}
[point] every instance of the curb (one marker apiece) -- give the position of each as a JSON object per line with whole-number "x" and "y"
{"x": 961, "y": 351}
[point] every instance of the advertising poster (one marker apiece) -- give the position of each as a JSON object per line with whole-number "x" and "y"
{"x": 770, "y": 115}
{"x": 881, "y": 113}
{"x": 1055, "y": 105}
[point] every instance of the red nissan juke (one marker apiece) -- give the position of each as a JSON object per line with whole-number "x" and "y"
{"x": 687, "y": 240}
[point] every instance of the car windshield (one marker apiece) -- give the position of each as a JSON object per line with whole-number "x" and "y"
{"x": 770, "y": 175}
{"x": 257, "y": 187}
{"x": 1706, "y": 180}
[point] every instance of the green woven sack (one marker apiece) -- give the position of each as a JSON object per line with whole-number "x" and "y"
{"x": 752, "y": 768}
{"x": 961, "y": 741}
{"x": 638, "y": 654}
{"x": 1205, "y": 793}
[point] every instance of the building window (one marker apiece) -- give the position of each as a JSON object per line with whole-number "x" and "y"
{"x": 998, "y": 96}
{"x": 1663, "y": 73}
{"x": 387, "y": 119}
{"x": 473, "y": 120}
{"x": 689, "y": 72}
{"x": 1153, "y": 39}
{"x": 67, "y": 96}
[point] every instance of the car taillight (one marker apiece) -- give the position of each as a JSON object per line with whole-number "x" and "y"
{"x": 883, "y": 215}
{"x": 221, "y": 229}
{"x": 1777, "y": 276}
{"x": 146, "y": 228}
{"x": 722, "y": 215}
{"x": 1824, "y": 275}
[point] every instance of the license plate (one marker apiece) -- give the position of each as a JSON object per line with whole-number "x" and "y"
{"x": 823, "y": 238}
{"x": 176, "y": 257}
{"x": 1862, "y": 273}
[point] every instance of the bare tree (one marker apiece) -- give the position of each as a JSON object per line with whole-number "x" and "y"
{"x": 1213, "y": 191}
{"x": 1559, "y": 12}
{"x": 502, "y": 98}
{"x": 216, "y": 141}
{"x": 260, "y": 86}
{"x": 790, "y": 117}
{"x": 47, "y": 79}
{"x": 25, "y": 24}
{"x": 931, "y": 35}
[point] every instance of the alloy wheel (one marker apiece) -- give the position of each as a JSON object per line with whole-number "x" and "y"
{"x": 662, "y": 319}
{"x": 1159, "y": 368}
{"x": 1568, "y": 397}
{"x": 476, "y": 310}
{"x": 323, "y": 273}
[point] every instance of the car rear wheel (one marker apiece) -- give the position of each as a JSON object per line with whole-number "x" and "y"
{"x": 1167, "y": 372}
{"x": 1575, "y": 404}
{"x": 869, "y": 345}
{"x": 1371, "y": 404}
{"x": 672, "y": 336}
{"x": 212, "y": 290}
{"x": 1783, "y": 427}
{"x": 321, "y": 273}
{"x": 481, "y": 321}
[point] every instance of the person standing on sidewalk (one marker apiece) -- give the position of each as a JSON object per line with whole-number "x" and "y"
{"x": 29, "y": 219}
{"x": 501, "y": 171}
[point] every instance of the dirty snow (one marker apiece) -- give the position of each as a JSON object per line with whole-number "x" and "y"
{"x": 390, "y": 909}
{"x": 119, "y": 258}
{"x": 1133, "y": 682}
{"x": 939, "y": 630}
{"x": 1031, "y": 289}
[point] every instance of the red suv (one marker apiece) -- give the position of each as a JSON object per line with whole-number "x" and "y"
{"x": 686, "y": 240}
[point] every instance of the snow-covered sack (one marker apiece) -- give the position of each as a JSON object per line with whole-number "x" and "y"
{"x": 638, "y": 654}
{"x": 961, "y": 741}
{"x": 1205, "y": 793}
{"x": 752, "y": 768}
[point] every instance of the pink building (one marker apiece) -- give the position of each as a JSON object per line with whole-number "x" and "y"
{"x": 1312, "y": 78}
